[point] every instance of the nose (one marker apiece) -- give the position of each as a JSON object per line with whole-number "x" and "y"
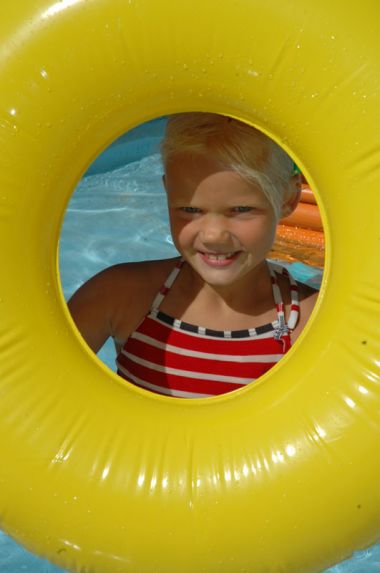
{"x": 214, "y": 230}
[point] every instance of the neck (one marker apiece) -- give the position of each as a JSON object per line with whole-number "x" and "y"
{"x": 247, "y": 292}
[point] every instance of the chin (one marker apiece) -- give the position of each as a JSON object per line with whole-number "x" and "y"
{"x": 217, "y": 277}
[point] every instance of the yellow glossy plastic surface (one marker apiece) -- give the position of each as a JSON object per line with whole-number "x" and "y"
{"x": 98, "y": 475}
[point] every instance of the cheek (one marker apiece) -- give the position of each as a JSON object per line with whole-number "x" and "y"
{"x": 259, "y": 230}
{"x": 259, "y": 237}
{"x": 181, "y": 231}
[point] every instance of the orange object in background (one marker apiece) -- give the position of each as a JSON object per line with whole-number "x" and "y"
{"x": 306, "y": 216}
{"x": 300, "y": 236}
{"x": 307, "y": 196}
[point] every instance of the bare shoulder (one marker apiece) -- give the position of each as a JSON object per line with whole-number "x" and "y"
{"x": 307, "y": 293}
{"x": 135, "y": 284}
{"x": 308, "y": 297}
{"x": 112, "y": 302}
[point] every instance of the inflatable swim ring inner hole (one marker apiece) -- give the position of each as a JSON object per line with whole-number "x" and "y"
{"x": 118, "y": 213}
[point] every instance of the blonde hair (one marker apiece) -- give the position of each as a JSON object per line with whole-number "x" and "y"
{"x": 243, "y": 148}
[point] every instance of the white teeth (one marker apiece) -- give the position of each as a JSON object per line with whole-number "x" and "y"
{"x": 220, "y": 257}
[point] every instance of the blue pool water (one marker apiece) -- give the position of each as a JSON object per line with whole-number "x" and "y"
{"x": 117, "y": 214}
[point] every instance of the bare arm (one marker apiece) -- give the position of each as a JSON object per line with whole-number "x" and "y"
{"x": 91, "y": 310}
{"x": 113, "y": 302}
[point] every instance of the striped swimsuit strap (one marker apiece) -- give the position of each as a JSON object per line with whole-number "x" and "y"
{"x": 281, "y": 326}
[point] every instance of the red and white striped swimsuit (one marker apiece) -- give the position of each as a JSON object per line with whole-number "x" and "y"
{"x": 175, "y": 358}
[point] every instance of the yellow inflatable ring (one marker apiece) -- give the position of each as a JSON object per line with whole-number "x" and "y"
{"x": 99, "y": 475}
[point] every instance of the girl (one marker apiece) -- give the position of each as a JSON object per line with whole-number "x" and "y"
{"x": 220, "y": 315}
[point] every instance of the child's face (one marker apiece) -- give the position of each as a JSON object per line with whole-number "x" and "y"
{"x": 222, "y": 225}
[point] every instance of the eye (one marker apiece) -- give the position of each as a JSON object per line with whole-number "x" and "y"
{"x": 190, "y": 210}
{"x": 242, "y": 209}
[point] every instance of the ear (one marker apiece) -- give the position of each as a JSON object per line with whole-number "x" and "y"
{"x": 292, "y": 195}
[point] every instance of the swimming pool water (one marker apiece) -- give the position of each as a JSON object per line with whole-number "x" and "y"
{"x": 118, "y": 214}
